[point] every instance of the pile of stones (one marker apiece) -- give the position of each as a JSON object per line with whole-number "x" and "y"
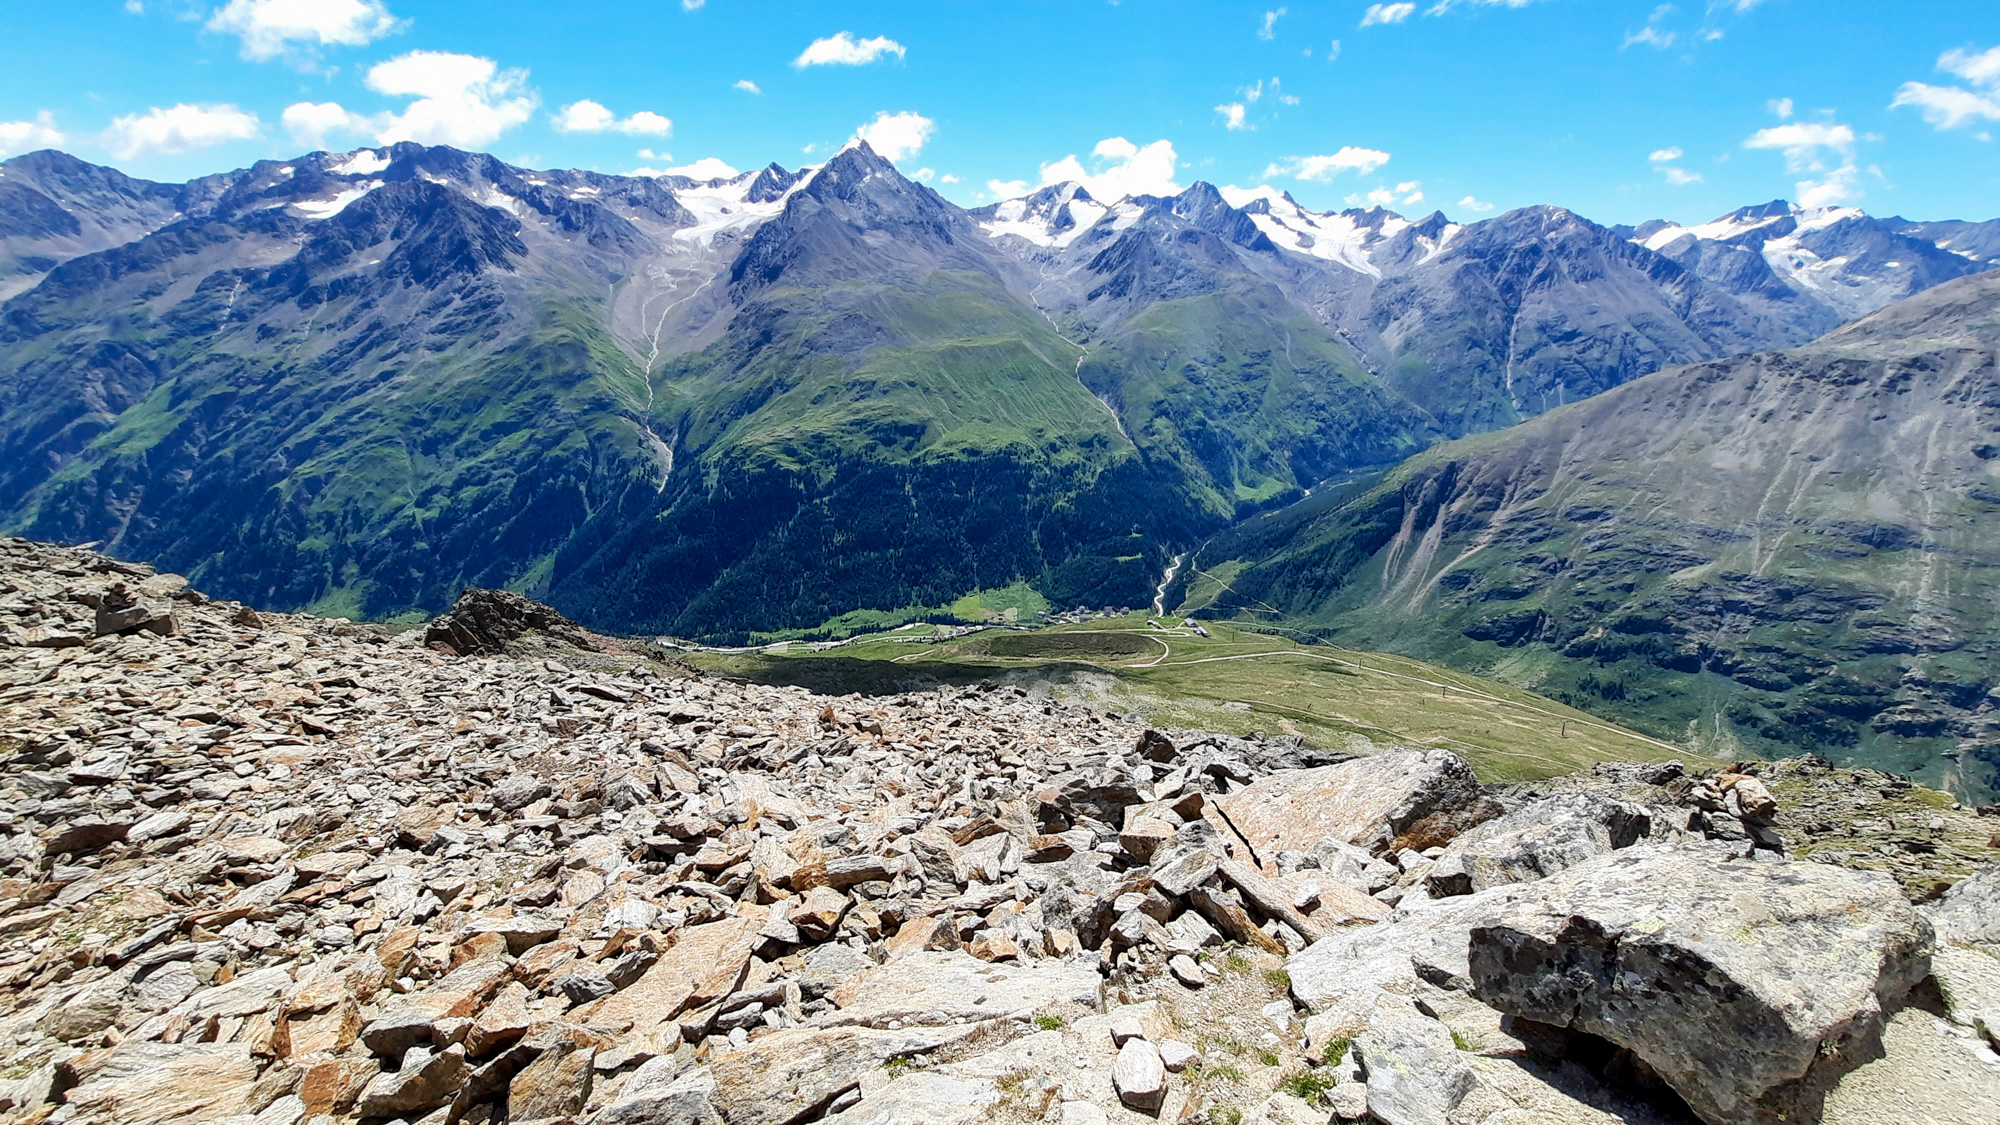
{"x": 277, "y": 869}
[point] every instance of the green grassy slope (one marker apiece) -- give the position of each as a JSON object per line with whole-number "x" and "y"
{"x": 1236, "y": 680}
{"x": 1765, "y": 556}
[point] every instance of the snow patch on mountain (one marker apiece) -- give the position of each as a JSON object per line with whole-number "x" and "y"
{"x": 317, "y": 209}
{"x": 361, "y": 162}
{"x": 726, "y": 205}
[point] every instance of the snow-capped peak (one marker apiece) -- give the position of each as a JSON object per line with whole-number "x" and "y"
{"x": 731, "y": 204}
{"x": 1053, "y": 216}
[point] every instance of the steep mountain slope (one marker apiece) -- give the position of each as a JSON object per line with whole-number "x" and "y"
{"x": 54, "y": 207}
{"x": 359, "y": 381}
{"x": 880, "y": 423}
{"x": 1784, "y": 551}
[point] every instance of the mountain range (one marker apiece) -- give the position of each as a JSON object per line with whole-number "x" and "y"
{"x": 359, "y": 382}
{"x": 1763, "y": 554}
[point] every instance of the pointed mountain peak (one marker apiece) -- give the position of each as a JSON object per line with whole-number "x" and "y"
{"x": 771, "y": 184}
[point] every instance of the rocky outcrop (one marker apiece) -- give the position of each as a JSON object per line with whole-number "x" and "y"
{"x": 1731, "y": 979}
{"x": 486, "y": 622}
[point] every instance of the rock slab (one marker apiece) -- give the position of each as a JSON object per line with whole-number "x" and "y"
{"x": 1730, "y": 978}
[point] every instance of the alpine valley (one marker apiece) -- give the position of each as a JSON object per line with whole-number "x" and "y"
{"x": 1727, "y": 483}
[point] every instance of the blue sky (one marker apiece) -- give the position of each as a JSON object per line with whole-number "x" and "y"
{"x": 1621, "y": 109}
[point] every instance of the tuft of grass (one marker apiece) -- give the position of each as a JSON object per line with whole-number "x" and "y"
{"x": 1308, "y": 1084}
{"x": 1268, "y": 1057}
{"x": 898, "y": 1066}
{"x": 1236, "y": 963}
{"x": 1279, "y": 980}
{"x": 1462, "y": 1043}
{"x": 1336, "y": 1050}
{"x": 1049, "y": 1023}
{"x": 1225, "y": 1115}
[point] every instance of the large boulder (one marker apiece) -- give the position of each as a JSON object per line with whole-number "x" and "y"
{"x": 1537, "y": 840}
{"x": 1341, "y": 977}
{"x": 1400, "y": 797}
{"x": 1730, "y": 978}
{"x": 939, "y": 987}
{"x": 1969, "y": 913}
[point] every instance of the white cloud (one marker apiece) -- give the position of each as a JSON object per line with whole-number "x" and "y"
{"x": 845, "y": 50}
{"x": 1948, "y": 107}
{"x": 269, "y": 28}
{"x": 1007, "y": 189}
{"x": 707, "y": 168}
{"x": 1663, "y": 163}
{"x": 462, "y": 100}
{"x": 1360, "y": 161}
{"x": 924, "y": 175}
{"x": 1333, "y": 52}
{"x": 1232, "y": 116}
{"x": 135, "y": 7}
{"x": 1387, "y": 13}
{"x": 947, "y": 178}
{"x": 184, "y": 128}
{"x": 1123, "y": 169}
{"x": 692, "y": 5}
{"x": 646, "y": 123}
{"x": 1406, "y": 194}
{"x": 1270, "y": 28}
{"x": 1802, "y": 141}
{"x": 1652, "y": 35}
{"x": 896, "y": 136}
{"x": 1443, "y": 6}
{"x": 1253, "y": 91}
{"x": 747, "y": 86}
{"x": 25, "y": 136}
{"x": 1471, "y": 204}
{"x": 311, "y": 123}
{"x": 1781, "y": 108}
{"x": 1806, "y": 145}
{"x": 1982, "y": 69}
{"x": 588, "y": 116}
{"x": 1835, "y": 187}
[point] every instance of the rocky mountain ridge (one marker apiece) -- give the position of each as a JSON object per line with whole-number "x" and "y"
{"x": 1771, "y": 553}
{"x": 361, "y": 381}
{"x": 267, "y": 869}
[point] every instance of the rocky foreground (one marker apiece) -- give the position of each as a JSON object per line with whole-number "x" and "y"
{"x": 284, "y": 869}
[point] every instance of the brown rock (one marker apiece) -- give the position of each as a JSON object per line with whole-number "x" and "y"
{"x": 818, "y": 913}
{"x": 1228, "y": 915}
{"x": 424, "y": 1081}
{"x": 411, "y": 1021}
{"x": 503, "y": 1021}
{"x": 478, "y": 946}
{"x": 707, "y": 964}
{"x": 921, "y": 934}
{"x": 330, "y": 1032}
{"x": 555, "y": 1085}
{"x": 333, "y": 1085}
{"x": 158, "y": 1083}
